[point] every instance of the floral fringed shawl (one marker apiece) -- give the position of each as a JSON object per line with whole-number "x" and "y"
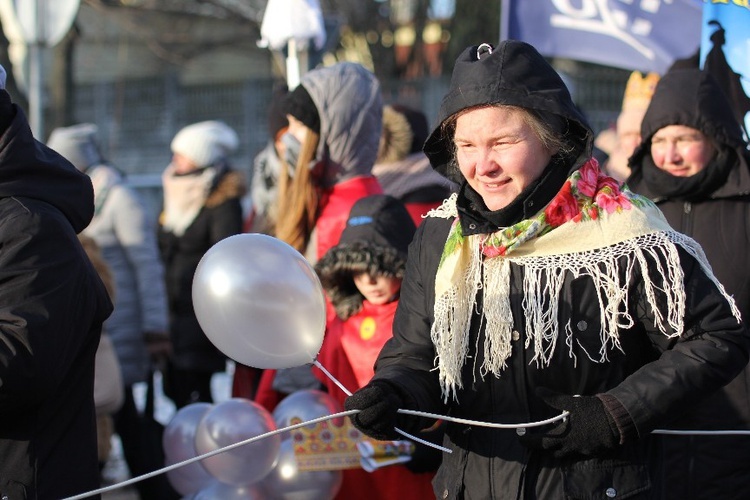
{"x": 593, "y": 228}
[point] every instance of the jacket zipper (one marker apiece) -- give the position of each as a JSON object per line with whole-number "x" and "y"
{"x": 687, "y": 218}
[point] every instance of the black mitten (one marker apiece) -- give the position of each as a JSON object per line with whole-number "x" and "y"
{"x": 589, "y": 429}
{"x": 377, "y": 403}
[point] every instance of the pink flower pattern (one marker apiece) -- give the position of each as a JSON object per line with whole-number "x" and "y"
{"x": 586, "y": 195}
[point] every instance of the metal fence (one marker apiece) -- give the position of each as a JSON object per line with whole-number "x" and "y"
{"x": 138, "y": 119}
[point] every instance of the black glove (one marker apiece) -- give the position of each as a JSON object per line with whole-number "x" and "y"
{"x": 378, "y": 403}
{"x": 588, "y": 430}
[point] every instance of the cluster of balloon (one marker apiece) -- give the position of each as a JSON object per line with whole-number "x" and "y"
{"x": 200, "y": 428}
{"x": 286, "y": 481}
{"x": 259, "y": 301}
{"x": 178, "y": 442}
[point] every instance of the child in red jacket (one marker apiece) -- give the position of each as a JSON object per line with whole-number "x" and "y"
{"x": 362, "y": 278}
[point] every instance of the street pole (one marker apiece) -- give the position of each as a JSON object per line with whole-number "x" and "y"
{"x": 292, "y": 65}
{"x": 36, "y": 49}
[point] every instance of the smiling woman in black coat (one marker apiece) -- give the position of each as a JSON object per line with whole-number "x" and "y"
{"x": 543, "y": 286}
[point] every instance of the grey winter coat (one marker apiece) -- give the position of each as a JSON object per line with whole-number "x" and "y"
{"x": 126, "y": 235}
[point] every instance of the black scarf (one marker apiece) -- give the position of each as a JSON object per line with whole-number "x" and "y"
{"x": 538, "y": 194}
{"x": 695, "y": 187}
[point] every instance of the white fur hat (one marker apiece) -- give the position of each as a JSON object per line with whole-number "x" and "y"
{"x": 205, "y": 143}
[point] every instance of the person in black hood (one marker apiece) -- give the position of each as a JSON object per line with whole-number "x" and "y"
{"x": 695, "y": 165}
{"x": 52, "y": 306}
{"x": 544, "y": 296}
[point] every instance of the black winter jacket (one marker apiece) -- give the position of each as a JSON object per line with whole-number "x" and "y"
{"x": 220, "y": 218}
{"x": 52, "y": 306}
{"x": 718, "y": 217}
{"x": 652, "y": 376}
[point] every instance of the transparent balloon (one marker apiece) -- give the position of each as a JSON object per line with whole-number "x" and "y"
{"x": 230, "y": 422}
{"x": 178, "y": 442}
{"x": 222, "y": 491}
{"x": 304, "y": 405}
{"x": 260, "y": 302}
{"x": 287, "y": 482}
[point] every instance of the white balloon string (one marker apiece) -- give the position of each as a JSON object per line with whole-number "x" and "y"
{"x": 423, "y": 441}
{"x": 210, "y": 454}
{"x": 352, "y": 412}
{"x": 333, "y": 379}
{"x": 701, "y": 433}
{"x": 349, "y": 393}
{"x": 492, "y": 425}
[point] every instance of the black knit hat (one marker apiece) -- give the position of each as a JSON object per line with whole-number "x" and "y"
{"x": 277, "y": 120}
{"x": 375, "y": 241}
{"x": 300, "y": 105}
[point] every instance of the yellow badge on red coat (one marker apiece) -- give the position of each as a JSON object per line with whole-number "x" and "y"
{"x": 367, "y": 328}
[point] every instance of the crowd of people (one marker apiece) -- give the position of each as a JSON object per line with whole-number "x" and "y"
{"x": 495, "y": 268}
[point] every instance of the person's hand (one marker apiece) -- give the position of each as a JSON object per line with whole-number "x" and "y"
{"x": 159, "y": 346}
{"x": 378, "y": 403}
{"x": 589, "y": 430}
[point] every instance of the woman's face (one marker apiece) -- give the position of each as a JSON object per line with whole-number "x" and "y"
{"x": 681, "y": 151}
{"x": 183, "y": 164}
{"x": 498, "y": 153}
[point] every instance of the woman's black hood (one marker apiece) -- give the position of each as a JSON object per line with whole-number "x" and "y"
{"x": 693, "y": 98}
{"x": 515, "y": 74}
{"x": 375, "y": 241}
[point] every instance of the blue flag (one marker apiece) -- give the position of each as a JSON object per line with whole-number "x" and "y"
{"x": 724, "y": 45}
{"x": 645, "y": 35}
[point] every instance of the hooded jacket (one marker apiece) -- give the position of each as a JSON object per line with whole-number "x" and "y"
{"x": 714, "y": 210}
{"x": 402, "y": 168}
{"x": 375, "y": 241}
{"x": 122, "y": 229}
{"x": 347, "y": 97}
{"x": 52, "y": 306}
{"x": 350, "y": 111}
{"x": 650, "y": 376}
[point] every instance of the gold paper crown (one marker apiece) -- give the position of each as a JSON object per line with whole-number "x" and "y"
{"x": 639, "y": 90}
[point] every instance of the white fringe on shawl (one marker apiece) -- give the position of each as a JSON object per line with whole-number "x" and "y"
{"x": 599, "y": 249}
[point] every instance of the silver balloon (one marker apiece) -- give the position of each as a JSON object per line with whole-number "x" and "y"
{"x": 230, "y": 422}
{"x": 305, "y": 405}
{"x": 260, "y": 302}
{"x": 287, "y": 482}
{"x": 178, "y": 442}
{"x": 222, "y": 491}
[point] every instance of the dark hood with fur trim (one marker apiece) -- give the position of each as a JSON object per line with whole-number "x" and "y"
{"x": 375, "y": 241}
